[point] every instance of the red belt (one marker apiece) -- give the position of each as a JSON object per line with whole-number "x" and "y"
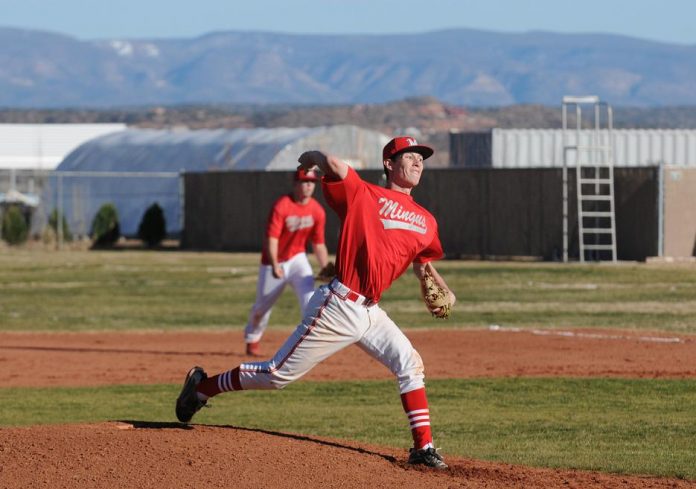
{"x": 346, "y": 294}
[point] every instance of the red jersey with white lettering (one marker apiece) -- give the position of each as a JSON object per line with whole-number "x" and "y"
{"x": 383, "y": 231}
{"x": 294, "y": 224}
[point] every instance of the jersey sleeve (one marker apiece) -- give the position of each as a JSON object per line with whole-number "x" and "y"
{"x": 274, "y": 226}
{"x": 432, "y": 252}
{"x": 319, "y": 225}
{"x": 340, "y": 193}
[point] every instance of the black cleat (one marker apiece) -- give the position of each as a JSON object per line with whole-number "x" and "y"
{"x": 428, "y": 457}
{"x": 188, "y": 404}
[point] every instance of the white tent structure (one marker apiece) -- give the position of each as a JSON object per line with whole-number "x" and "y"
{"x": 222, "y": 149}
{"x": 135, "y": 168}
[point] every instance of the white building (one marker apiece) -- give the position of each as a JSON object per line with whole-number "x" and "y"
{"x": 539, "y": 148}
{"x": 28, "y": 152}
{"x": 43, "y": 146}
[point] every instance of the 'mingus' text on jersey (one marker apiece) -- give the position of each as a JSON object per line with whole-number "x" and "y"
{"x": 395, "y": 217}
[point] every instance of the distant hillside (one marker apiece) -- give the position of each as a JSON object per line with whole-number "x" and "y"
{"x": 425, "y": 117}
{"x": 459, "y": 67}
{"x": 426, "y": 114}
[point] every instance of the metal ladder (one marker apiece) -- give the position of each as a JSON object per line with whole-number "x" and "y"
{"x": 594, "y": 177}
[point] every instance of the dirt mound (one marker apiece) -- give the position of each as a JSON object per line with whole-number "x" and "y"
{"x": 35, "y": 359}
{"x": 158, "y": 455}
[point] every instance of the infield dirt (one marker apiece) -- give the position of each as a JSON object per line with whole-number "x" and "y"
{"x": 164, "y": 455}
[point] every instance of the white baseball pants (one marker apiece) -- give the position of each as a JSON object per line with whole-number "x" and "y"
{"x": 337, "y": 317}
{"x": 298, "y": 273}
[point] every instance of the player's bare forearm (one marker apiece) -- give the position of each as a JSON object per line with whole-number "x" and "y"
{"x": 322, "y": 254}
{"x": 329, "y": 165}
{"x": 420, "y": 270}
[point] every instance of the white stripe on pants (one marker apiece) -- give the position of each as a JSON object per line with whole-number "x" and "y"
{"x": 331, "y": 324}
{"x": 298, "y": 273}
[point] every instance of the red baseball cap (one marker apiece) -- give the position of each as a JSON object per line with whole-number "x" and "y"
{"x": 302, "y": 175}
{"x": 403, "y": 144}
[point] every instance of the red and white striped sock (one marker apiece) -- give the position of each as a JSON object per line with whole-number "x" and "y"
{"x": 217, "y": 384}
{"x": 415, "y": 405}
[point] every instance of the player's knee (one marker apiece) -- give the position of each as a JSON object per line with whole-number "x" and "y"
{"x": 265, "y": 381}
{"x": 411, "y": 373}
{"x": 410, "y": 383}
{"x": 410, "y": 364}
{"x": 279, "y": 385}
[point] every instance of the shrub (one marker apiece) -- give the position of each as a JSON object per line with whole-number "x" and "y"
{"x": 153, "y": 227}
{"x": 105, "y": 227}
{"x": 14, "y": 227}
{"x": 53, "y": 224}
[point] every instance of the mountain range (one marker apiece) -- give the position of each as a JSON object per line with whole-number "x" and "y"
{"x": 461, "y": 67}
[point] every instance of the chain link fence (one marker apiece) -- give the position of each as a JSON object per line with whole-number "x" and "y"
{"x": 78, "y": 195}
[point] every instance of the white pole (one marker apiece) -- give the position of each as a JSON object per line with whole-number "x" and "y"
{"x": 565, "y": 186}
{"x": 182, "y": 210}
{"x": 661, "y": 209}
{"x": 59, "y": 213}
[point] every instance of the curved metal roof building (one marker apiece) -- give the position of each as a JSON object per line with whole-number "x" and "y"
{"x": 223, "y": 149}
{"x": 136, "y": 167}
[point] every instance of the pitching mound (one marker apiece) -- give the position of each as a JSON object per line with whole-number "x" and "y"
{"x": 159, "y": 455}
{"x": 170, "y": 455}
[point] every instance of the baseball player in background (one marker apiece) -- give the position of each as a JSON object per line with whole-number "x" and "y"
{"x": 295, "y": 219}
{"x": 383, "y": 232}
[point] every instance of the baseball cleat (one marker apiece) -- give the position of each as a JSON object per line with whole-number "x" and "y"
{"x": 253, "y": 349}
{"x": 428, "y": 457}
{"x": 188, "y": 404}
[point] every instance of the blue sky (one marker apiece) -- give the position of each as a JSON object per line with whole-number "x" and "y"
{"x": 662, "y": 20}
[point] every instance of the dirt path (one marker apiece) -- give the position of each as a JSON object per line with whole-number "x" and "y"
{"x": 90, "y": 359}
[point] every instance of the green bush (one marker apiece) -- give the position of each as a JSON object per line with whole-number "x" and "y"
{"x": 105, "y": 227}
{"x": 53, "y": 224}
{"x": 153, "y": 226}
{"x": 14, "y": 226}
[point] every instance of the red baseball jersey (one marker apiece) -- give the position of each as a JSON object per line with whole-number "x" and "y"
{"x": 294, "y": 224}
{"x": 383, "y": 231}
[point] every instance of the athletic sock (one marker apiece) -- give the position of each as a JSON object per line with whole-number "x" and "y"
{"x": 415, "y": 405}
{"x": 224, "y": 382}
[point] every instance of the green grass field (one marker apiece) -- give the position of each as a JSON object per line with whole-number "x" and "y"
{"x": 78, "y": 291}
{"x": 623, "y": 426}
{"x": 619, "y": 425}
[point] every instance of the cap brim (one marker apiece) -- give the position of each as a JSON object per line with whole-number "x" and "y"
{"x": 425, "y": 151}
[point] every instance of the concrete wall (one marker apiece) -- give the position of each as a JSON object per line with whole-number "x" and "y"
{"x": 481, "y": 212}
{"x": 679, "y": 212}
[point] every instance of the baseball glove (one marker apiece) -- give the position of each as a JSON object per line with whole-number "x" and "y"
{"x": 435, "y": 297}
{"x": 327, "y": 273}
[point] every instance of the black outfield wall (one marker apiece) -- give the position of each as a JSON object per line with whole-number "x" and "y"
{"x": 481, "y": 212}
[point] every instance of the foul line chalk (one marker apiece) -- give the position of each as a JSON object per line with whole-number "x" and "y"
{"x": 572, "y": 334}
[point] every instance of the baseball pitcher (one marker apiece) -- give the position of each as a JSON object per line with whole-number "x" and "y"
{"x": 383, "y": 232}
